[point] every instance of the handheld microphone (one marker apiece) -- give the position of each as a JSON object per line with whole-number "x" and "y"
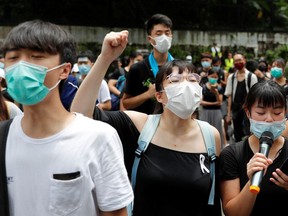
{"x": 266, "y": 141}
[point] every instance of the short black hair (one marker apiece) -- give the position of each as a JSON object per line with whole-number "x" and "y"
{"x": 206, "y": 55}
{"x": 268, "y": 93}
{"x": 134, "y": 54}
{"x": 280, "y": 62}
{"x": 87, "y": 53}
{"x": 216, "y": 59}
{"x": 43, "y": 37}
{"x": 158, "y": 19}
{"x": 251, "y": 65}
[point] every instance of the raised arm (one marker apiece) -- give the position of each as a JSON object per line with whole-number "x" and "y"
{"x": 113, "y": 45}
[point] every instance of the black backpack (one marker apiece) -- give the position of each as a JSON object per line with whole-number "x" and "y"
{"x": 4, "y": 202}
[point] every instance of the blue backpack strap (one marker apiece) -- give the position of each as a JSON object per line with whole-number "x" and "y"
{"x": 208, "y": 136}
{"x": 144, "y": 139}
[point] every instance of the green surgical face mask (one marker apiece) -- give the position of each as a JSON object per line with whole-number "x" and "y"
{"x": 212, "y": 80}
{"x": 25, "y": 82}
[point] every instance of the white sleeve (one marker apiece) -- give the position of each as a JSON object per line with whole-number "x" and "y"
{"x": 113, "y": 188}
{"x": 254, "y": 79}
{"x": 13, "y": 109}
{"x": 228, "y": 89}
{"x": 104, "y": 93}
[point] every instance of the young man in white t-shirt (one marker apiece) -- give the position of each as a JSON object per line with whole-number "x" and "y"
{"x": 57, "y": 162}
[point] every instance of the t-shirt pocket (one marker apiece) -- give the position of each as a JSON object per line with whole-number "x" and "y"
{"x": 65, "y": 195}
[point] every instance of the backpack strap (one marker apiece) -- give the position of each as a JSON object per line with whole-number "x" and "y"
{"x": 249, "y": 80}
{"x": 144, "y": 139}
{"x": 233, "y": 77}
{"x": 209, "y": 140}
{"x": 4, "y": 203}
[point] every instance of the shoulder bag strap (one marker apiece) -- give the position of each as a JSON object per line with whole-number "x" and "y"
{"x": 249, "y": 80}
{"x": 4, "y": 203}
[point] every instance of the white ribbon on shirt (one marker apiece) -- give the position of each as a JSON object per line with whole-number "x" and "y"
{"x": 202, "y": 165}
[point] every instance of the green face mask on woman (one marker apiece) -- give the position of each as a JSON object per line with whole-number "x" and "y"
{"x": 212, "y": 80}
{"x": 25, "y": 82}
{"x": 276, "y": 72}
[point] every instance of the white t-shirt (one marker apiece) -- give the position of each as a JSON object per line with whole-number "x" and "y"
{"x": 89, "y": 151}
{"x": 104, "y": 93}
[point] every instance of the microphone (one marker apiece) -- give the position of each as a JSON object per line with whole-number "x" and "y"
{"x": 266, "y": 141}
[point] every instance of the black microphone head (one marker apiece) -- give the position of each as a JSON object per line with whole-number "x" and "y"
{"x": 267, "y": 137}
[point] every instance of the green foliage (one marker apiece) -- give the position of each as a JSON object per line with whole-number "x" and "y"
{"x": 270, "y": 55}
{"x": 94, "y": 47}
{"x": 282, "y": 52}
{"x": 178, "y": 52}
{"x": 279, "y": 52}
{"x": 282, "y": 10}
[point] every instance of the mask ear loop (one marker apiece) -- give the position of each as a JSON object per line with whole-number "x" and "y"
{"x": 57, "y": 67}
{"x": 50, "y": 89}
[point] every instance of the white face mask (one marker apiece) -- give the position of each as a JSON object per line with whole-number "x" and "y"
{"x": 163, "y": 43}
{"x": 183, "y": 98}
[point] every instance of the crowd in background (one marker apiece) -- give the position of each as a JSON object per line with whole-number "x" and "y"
{"x": 212, "y": 67}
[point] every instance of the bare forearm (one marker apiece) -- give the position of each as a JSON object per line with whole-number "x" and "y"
{"x": 112, "y": 87}
{"x": 130, "y": 102}
{"x": 105, "y": 106}
{"x": 242, "y": 204}
{"x": 229, "y": 102}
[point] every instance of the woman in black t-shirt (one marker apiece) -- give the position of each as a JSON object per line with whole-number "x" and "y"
{"x": 265, "y": 106}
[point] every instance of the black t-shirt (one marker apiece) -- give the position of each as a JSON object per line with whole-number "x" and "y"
{"x": 285, "y": 89}
{"x": 211, "y": 97}
{"x": 172, "y": 183}
{"x": 271, "y": 200}
{"x": 140, "y": 74}
{"x": 240, "y": 96}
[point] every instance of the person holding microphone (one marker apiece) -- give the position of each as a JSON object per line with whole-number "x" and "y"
{"x": 251, "y": 179}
